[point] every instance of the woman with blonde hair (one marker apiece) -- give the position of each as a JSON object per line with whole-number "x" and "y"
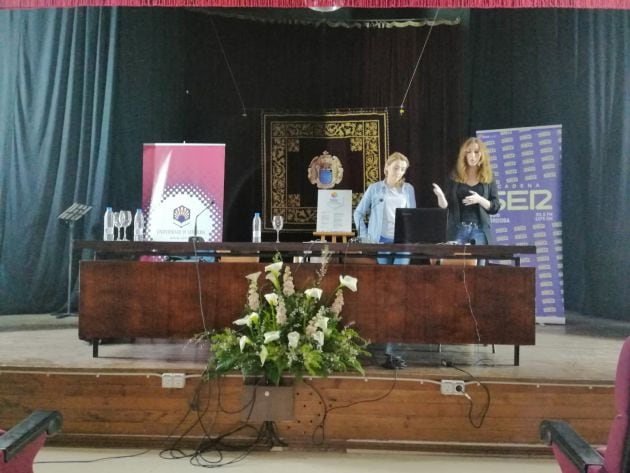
{"x": 380, "y": 201}
{"x": 471, "y": 195}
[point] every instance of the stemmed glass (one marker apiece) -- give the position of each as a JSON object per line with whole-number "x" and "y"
{"x": 117, "y": 225}
{"x": 277, "y": 221}
{"x": 124, "y": 216}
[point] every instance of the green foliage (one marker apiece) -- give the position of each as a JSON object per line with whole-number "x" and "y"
{"x": 287, "y": 331}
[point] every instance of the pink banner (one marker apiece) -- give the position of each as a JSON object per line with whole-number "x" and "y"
{"x": 182, "y": 191}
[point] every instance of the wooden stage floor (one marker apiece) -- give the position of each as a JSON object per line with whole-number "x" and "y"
{"x": 583, "y": 350}
{"x": 117, "y": 399}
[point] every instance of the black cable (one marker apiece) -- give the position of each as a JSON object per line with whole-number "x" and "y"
{"x": 484, "y": 410}
{"x": 322, "y": 424}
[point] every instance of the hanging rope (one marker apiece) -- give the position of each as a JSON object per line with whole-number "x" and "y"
{"x": 413, "y": 75}
{"x": 238, "y": 92}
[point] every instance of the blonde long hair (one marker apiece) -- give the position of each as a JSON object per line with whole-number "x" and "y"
{"x": 396, "y": 156}
{"x": 484, "y": 172}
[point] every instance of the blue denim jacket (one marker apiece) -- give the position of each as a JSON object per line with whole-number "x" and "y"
{"x": 372, "y": 203}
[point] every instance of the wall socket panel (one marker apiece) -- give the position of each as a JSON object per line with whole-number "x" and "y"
{"x": 173, "y": 380}
{"x": 452, "y": 387}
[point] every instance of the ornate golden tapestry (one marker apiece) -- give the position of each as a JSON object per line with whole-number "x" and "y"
{"x": 290, "y": 143}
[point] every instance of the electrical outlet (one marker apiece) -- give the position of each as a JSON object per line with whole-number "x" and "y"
{"x": 179, "y": 380}
{"x": 452, "y": 387}
{"x": 173, "y": 380}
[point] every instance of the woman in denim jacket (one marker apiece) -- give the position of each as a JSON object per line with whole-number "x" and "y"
{"x": 379, "y": 204}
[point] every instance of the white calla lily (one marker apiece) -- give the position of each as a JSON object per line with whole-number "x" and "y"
{"x": 248, "y": 320}
{"x": 321, "y": 322}
{"x": 274, "y": 268}
{"x": 294, "y": 339}
{"x": 319, "y": 338}
{"x": 244, "y": 340}
{"x": 349, "y": 282}
{"x": 272, "y": 336}
{"x": 263, "y": 355}
{"x": 272, "y": 298}
{"x": 313, "y": 293}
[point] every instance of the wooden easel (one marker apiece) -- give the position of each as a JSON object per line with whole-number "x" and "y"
{"x": 323, "y": 236}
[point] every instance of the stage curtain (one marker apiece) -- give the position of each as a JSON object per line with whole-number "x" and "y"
{"x": 565, "y": 67}
{"x": 55, "y": 104}
{"x": 280, "y": 68}
{"x": 613, "y": 4}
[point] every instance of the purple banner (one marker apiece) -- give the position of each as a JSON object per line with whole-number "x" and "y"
{"x": 526, "y": 163}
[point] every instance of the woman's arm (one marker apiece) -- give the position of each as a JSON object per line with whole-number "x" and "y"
{"x": 361, "y": 211}
{"x": 411, "y": 196}
{"x": 441, "y": 198}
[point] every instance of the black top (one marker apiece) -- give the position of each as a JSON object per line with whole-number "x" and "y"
{"x": 468, "y": 213}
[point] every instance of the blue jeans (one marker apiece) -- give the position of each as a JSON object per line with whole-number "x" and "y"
{"x": 391, "y": 259}
{"x": 470, "y": 233}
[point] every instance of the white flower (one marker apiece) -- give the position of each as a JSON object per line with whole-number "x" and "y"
{"x": 313, "y": 293}
{"x": 248, "y": 320}
{"x": 321, "y": 322}
{"x": 337, "y": 304}
{"x": 244, "y": 340}
{"x": 263, "y": 355}
{"x": 253, "y": 277}
{"x": 272, "y": 336}
{"x": 310, "y": 329}
{"x": 287, "y": 287}
{"x": 272, "y": 298}
{"x": 281, "y": 313}
{"x": 319, "y": 338}
{"x": 274, "y": 268}
{"x": 294, "y": 339}
{"x": 349, "y": 282}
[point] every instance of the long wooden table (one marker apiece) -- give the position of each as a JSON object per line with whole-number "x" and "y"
{"x": 122, "y": 297}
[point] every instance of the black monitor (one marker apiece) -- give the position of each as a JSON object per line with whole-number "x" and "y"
{"x": 420, "y": 225}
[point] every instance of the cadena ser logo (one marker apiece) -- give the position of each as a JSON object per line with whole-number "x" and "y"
{"x": 527, "y": 199}
{"x": 181, "y": 215}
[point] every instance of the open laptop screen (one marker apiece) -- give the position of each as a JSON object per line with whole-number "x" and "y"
{"x": 420, "y": 225}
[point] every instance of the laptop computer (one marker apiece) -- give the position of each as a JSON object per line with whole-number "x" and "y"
{"x": 420, "y": 225}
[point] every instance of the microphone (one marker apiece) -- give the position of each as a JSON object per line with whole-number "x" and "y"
{"x": 195, "y": 238}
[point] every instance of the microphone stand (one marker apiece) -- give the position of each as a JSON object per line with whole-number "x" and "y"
{"x": 195, "y": 238}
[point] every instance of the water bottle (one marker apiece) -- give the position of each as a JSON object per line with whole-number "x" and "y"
{"x": 256, "y": 226}
{"x": 138, "y": 226}
{"x": 108, "y": 225}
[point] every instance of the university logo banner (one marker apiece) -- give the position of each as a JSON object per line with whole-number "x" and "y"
{"x": 306, "y": 152}
{"x": 182, "y": 191}
{"x": 526, "y": 162}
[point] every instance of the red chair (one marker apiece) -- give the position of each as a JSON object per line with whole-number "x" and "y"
{"x": 572, "y": 452}
{"x": 20, "y": 444}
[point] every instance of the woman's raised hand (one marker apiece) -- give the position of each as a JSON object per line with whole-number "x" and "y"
{"x": 441, "y": 198}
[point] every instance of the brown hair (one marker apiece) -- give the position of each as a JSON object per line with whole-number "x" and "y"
{"x": 461, "y": 167}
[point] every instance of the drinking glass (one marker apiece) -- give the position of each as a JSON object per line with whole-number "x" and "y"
{"x": 125, "y": 220}
{"x": 277, "y": 221}
{"x": 117, "y": 226}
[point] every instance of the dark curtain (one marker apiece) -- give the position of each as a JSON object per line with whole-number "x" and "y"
{"x": 56, "y": 86}
{"x": 568, "y": 67}
{"x": 303, "y": 68}
{"x": 87, "y": 87}
{"x": 81, "y": 90}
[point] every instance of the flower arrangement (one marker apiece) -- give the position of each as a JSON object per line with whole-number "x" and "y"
{"x": 283, "y": 330}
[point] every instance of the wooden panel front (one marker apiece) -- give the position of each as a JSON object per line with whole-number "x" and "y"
{"x": 410, "y": 304}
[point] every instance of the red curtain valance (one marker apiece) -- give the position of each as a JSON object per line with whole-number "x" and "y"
{"x": 604, "y": 4}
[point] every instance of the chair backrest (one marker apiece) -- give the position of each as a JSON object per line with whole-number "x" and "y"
{"x": 617, "y": 457}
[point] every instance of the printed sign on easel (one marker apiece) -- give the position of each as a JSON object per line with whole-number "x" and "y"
{"x": 334, "y": 211}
